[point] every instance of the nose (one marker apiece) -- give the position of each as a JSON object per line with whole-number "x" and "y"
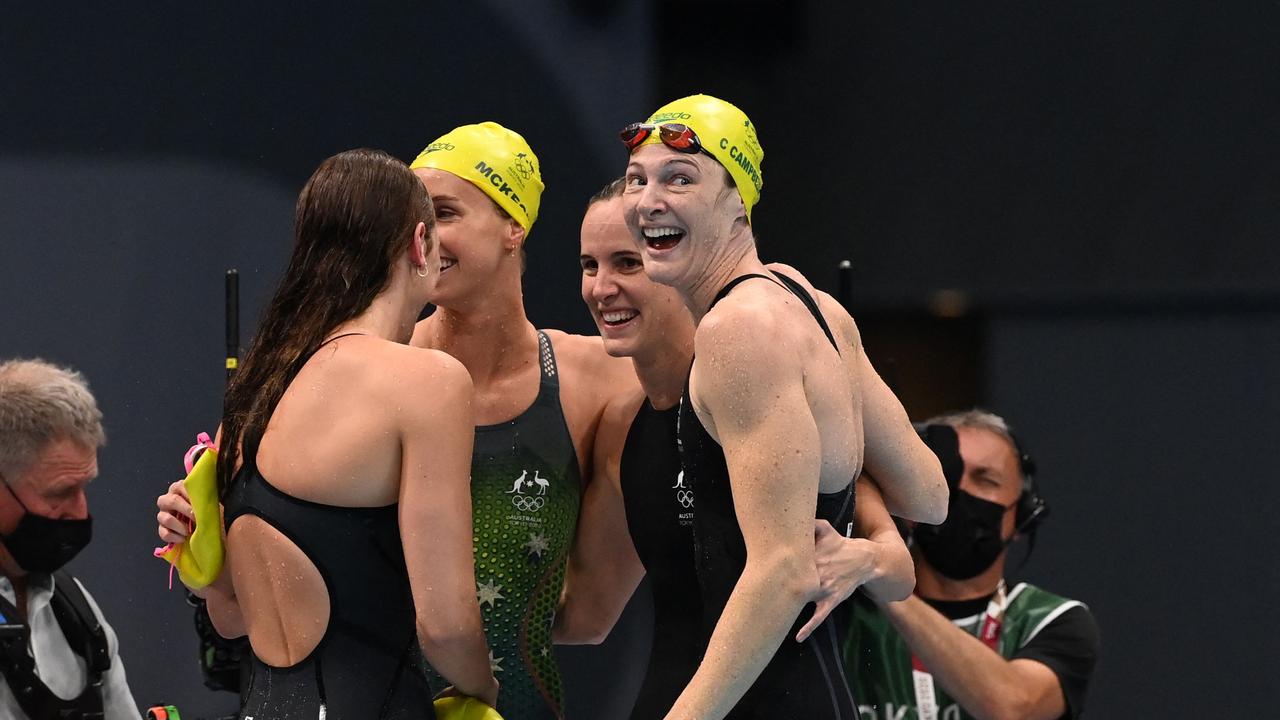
{"x": 76, "y": 508}
{"x": 652, "y": 202}
{"x": 605, "y": 287}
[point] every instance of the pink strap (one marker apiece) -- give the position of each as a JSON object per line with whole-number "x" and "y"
{"x": 202, "y": 441}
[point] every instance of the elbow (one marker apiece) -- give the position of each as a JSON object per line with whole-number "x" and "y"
{"x": 226, "y": 618}
{"x": 791, "y": 577}
{"x": 443, "y": 639}
{"x": 1010, "y": 709}
{"x": 577, "y": 633}
{"x": 1010, "y": 703}
{"x": 594, "y": 636}
{"x": 904, "y": 583}
{"x": 937, "y": 495}
{"x": 936, "y": 512}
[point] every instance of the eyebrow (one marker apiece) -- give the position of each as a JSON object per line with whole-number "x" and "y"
{"x": 990, "y": 472}
{"x": 684, "y": 160}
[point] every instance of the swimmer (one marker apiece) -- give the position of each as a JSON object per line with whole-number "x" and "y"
{"x": 343, "y": 469}
{"x": 637, "y": 516}
{"x": 539, "y": 397}
{"x": 781, "y": 411}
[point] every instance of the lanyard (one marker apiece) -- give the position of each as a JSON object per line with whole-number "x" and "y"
{"x": 988, "y": 632}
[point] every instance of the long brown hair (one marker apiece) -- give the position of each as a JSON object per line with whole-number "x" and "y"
{"x": 355, "y": 217}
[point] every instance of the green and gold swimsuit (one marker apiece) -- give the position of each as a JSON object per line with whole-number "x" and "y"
{"x": 525, "y": 491}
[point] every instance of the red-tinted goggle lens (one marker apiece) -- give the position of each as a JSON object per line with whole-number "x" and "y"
{"x": 676, "y": 136}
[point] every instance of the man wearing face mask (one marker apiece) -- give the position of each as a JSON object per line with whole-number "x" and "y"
{"x": 967, "y": 645}
{"x": 58, "y": 656}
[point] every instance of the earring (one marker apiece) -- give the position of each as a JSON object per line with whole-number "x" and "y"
{"x": 422, "y": 271}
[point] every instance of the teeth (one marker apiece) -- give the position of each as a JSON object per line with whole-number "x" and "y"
{"x": 657, "y": 232}
{"x": 618, "y": 316}
{"x": 446, "y": 264}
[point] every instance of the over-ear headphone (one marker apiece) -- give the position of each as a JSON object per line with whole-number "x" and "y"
{"x": 1032, "y": 509}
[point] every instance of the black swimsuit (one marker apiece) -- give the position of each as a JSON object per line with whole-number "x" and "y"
{"x": 659, "y": 505}
{"x": 803, "y": 680}
{"x": 368, "y": 662}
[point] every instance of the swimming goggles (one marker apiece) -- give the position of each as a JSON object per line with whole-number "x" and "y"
{"x": 676, "y": 136}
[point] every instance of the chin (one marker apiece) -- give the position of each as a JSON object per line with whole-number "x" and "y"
{"x": 662, "y": 272}
{"x": 619, "y": 347}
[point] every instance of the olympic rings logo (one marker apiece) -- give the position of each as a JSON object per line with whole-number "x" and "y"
{"x": 685, "y": 498}
{"x": 524, "y": 503}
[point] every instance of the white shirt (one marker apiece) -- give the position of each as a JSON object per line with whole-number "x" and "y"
{"x": 59, "y": 667}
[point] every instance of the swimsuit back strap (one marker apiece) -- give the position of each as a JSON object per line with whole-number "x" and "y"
{"x": 729, "y": 286}
{"x": 798, "y": 290}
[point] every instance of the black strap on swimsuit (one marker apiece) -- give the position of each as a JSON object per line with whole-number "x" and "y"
{"x": 85, "y": 636}
{"x": 335, "y": 337}
{"x": 729, "y": 286}
{"x": 366, "y": 663}
{"x": 791, "y": 286}
{"x": 801, "y": 679}
{"x": 798, "y": 290}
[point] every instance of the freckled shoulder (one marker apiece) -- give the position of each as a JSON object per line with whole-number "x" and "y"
{"x": 757, "y": 318}
{"x": 747, "y": 334}
{"x": 841, "y": 322}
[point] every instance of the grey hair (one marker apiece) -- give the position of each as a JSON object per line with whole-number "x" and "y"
{"x": 39, "y": 403}
{"x": 979, "y": 419}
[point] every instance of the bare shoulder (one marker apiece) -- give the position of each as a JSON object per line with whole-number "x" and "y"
{"x": 841, "y": 322}
{"x": 584, "y": 356}
{"x": 746, "y": 333}
{"x": 425, "y": 375}
{"x": 622, "y": 409}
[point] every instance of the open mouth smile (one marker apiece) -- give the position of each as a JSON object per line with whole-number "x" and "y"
{"x": 618, "y": 318}
{"x": 662, "y": 238}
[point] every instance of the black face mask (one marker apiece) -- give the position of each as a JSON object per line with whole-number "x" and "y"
{"x": 43, "y": 544}
{"x": 970, "y": 539}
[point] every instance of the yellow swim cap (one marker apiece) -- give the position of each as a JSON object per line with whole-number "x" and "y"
{"x": 724, "y": 131}
{"x": 494, "y": 159}
{"x": 458, "y": 707}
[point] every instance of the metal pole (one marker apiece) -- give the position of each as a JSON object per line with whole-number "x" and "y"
{"x": 233, "y": 322}
{"x": 845, "y": 271}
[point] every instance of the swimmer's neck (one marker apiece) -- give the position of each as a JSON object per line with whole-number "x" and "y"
{"x": 386, "y": 317}
{"x": 933, "y": 585}
{"x": 699, "y": 295}
{"x": 663, "y": 370}
{"x": 490, "y": 339}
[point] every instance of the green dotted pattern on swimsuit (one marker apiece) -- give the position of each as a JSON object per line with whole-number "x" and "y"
{"x": 525, "y": 493}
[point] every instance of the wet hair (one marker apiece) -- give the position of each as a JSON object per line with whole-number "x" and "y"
{"x": 39, "y": 403}
{"x": 614, "y": 189}
{"x": 354, "y": 218}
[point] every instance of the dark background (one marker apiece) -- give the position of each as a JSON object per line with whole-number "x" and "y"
{"x": 1094, "y": 185}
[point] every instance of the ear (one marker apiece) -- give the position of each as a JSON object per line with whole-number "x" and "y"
{"x": 418, "y": 246}
{"x": 515, "y": 237}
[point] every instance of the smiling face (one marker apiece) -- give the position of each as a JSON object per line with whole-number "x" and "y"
{"x": 684, "y": 210}
{"x": 633, "y": 313}
{"x": 429, "y": 265}
{"x": 475, "y": 239}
